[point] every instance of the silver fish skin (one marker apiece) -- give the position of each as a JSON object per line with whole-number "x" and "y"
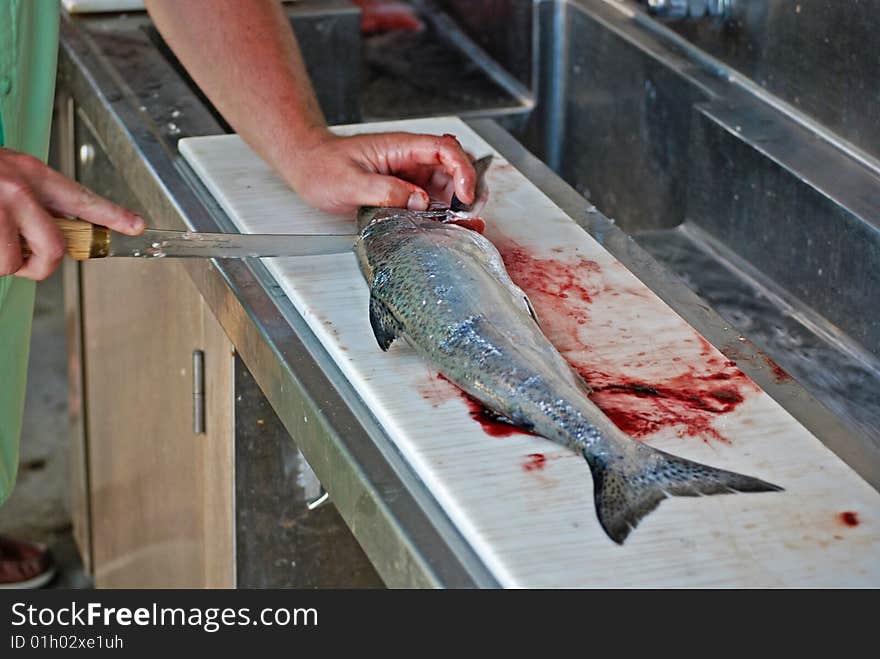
{"x": 445, "y": 290}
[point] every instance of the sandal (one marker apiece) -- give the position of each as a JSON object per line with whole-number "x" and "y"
{"x": 24, "y": 564}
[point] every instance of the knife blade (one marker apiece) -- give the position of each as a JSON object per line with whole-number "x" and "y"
{"x": 156, "y": 243}
{"x": 90, "y": 241}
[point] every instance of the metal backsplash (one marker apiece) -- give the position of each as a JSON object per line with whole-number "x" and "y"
{"x": 817, "y": 55}
{"x": 743, "y": 145}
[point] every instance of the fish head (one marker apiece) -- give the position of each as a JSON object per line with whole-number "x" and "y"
{"x": 455, "y": 211}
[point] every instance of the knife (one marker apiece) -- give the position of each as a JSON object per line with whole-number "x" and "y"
{"x": 90, "y": 241}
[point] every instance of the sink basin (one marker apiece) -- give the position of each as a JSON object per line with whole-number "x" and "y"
{"x": 767, "y": 214}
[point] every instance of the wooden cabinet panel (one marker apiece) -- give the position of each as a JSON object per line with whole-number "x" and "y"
{"x": 79, "y": 480}
{"x": 160, "y": 495}
{"x": 216, "y": 474}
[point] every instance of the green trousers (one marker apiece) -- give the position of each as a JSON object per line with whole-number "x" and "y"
{"x": 16, "y": 309}
{"x": 28, "y": 58}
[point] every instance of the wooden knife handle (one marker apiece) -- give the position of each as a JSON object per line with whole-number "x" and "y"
{"x": 84, "y": 240}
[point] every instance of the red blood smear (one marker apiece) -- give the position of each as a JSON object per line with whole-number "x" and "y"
{"x": 386, "y": 16}
{"x": 705, "y": 347}
{"x": 535, "y": 462}
{"x": 849, "y": 518}
{"x": 690, "y": 403}
{"x": 441, "y": 390}
{"x": 489, "y": 420}
{"x": 477, "y": 224}
{"x": 563, "y": 291}
{"x": 779, "y": 373}
{"x": 486, "y": 417}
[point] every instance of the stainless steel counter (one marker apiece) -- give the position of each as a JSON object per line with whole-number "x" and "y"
{"x": 132, "y": 104}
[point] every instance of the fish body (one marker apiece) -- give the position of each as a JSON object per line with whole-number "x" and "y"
{"x": 445, "y": 290}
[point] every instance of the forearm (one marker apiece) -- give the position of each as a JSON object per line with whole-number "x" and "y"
{"x": 244, "y": 57}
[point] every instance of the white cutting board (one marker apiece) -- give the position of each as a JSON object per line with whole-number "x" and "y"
{"x": 90, "y": 6}
{"x": 525, "y": 504}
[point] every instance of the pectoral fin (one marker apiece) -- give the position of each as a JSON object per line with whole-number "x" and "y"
{"x": 385, "y": 326}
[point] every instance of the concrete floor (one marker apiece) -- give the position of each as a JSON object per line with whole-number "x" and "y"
{"x": 39, "y": 508}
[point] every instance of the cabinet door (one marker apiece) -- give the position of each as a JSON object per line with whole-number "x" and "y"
{"x": 160, "y": 494}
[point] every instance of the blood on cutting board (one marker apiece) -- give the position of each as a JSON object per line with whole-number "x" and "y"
{"x": 490, "y": 422}
{"x": 684, "y": 385}
{"x": 439, "y": 390}
{"x": 560, "y": 291}
{"x": 690, "y": 402}
{"x": 535, "y": 462}
{"x": 849, "y": 518}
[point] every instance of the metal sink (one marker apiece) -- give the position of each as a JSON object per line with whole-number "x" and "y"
{"x": 766, "y": 212}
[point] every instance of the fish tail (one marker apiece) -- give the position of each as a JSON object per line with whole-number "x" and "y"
{"x": 626, "y": 488}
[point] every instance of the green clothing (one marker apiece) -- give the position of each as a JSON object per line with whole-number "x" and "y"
{"x": 28, "y": 58}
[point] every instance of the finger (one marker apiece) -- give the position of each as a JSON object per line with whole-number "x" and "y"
{"x": 63, "y": 195}
{"x": 43, "y": 237}
{"x": 390, "y": 191}
{"x": 440, "y": 186}
{"x": 433, "y": 180}
{"x": 10, "y": 247}
{"x": 406, "y": 150}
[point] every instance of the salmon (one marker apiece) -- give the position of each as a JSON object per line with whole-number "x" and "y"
{"x": 443, "y": 288}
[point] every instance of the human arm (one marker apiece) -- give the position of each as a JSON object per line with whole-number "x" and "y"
{"x": 245, "y": 58}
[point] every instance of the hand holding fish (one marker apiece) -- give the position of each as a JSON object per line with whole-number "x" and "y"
{"x": 264, "y": 92}
{"x": 403, "y": 170}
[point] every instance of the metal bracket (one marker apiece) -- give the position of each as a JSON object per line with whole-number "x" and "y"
{"x": 198, "y": 373}
{"x": 318, "y": 501}
{"x": 692, "y": 9}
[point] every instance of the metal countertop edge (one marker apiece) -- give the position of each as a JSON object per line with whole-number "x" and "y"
{"x": 398, "y": 522}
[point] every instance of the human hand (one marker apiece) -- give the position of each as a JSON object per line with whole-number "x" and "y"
{"x": 340, "y": 174}
{"x": 30, "y": 192}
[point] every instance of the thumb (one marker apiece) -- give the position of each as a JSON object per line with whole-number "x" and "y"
{"x": 380, "y": 190}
